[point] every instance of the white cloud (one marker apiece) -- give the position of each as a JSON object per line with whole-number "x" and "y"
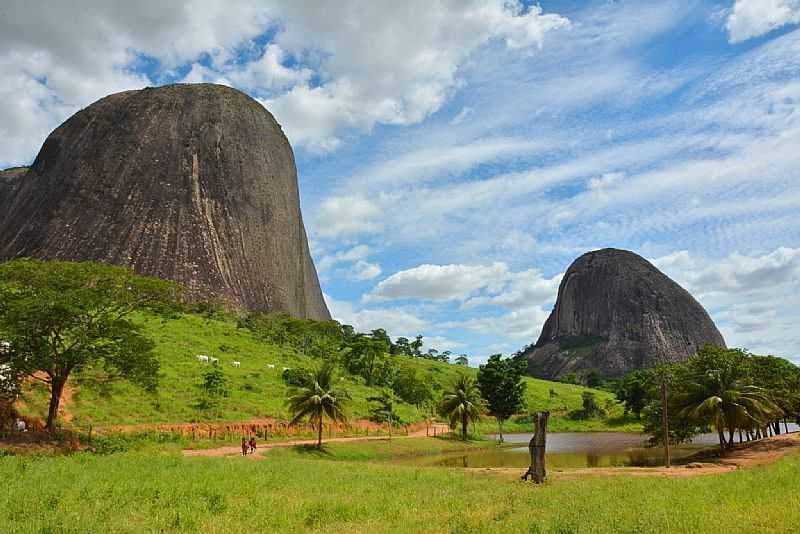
{"x": 748, "y": 295}
{"x": 407, "y": 71}
{"x": 751, "y": 18}
{"x": 472, "y": 285}
{"x": 441, "y": 282}
{"x": 523, "y": 324}
{"x": 316, "y": 75}
{"x": 363, "y": 270}
{"x": 347, "y": 215}
{"x": 397, "y": 322}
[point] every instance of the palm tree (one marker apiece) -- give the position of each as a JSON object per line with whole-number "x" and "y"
{"x": 462, "y": 404}
{"x": 318, "y": 397}
{"x": 723, "y": 398}
{"x": 384, "y": 411}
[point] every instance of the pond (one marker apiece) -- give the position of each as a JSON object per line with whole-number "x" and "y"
{"x": 573, "y": 450}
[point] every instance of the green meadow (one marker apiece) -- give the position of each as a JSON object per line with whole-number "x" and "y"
{"x": 336, "y": 491}
{"x": 256, "y": 390}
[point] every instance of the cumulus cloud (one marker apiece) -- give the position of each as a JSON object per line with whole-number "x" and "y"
{"x": 374, "y": 63}
{"x": 407, "y": 71}
{"x": 472, "y": 285}
{"x": 749, "y": 296}
{"x": 751, "y": 18}
{"x": 523, "y": 324}
{"x": 347, "y": 215}
{"x": 398, "y": 322}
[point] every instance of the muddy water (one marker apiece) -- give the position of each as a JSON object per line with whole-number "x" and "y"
{"x": 571, "y": 450}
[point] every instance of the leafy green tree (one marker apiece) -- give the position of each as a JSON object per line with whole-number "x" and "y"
{"x": 462, "y": 359}
{"x": 781, "y": 380}
{"x": 383, "y": 411}
{"x": 318, "y": 398}
{"x": 719, "y": 392}
{"x": 59, "y": 317}
{"x": 412, "y": 387}
{"x": 402, "y": 347}
{"x": 369, "y": 358}
{"x": 462, "y": 404}
{"x": 416, "y": 346}
{"x": 213, "y": 387}
{"x": 635, "y": 390}
{"x": 590, "y": 409}
{"x": 500, "y": 383}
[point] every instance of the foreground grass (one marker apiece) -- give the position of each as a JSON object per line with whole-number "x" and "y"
{"x": 135, "y": 492}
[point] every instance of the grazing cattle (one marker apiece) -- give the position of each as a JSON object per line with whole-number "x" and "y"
{"x": 286, "y": 368}
{"x": 214, "y": 361}
{"x": 237, "y": 364}
{"x": 20, "y": 426}
{"x": 271, "y": 365}
{"x": 202, "y": 358}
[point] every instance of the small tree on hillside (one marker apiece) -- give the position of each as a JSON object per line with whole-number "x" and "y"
{"x": 58, "y": 317}
{"x": 383, "y": 411}
{"x": 462, "y": 404}
{"x": 500, "y": 383}
{"x": 319, "y": 397}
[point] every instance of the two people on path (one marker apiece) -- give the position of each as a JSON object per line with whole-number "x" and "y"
{"x": 248, "y": 446}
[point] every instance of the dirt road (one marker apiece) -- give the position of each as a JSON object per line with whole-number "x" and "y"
{"x": 235, "y": 450}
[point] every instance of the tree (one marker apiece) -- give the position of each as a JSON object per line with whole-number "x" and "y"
{"x": 59, "y": 317}
{"x": 719, "y": 392}
{"x": 384, "y": 412}
{"x": 462, "y": 359}
{"x": 411, "y": 386}
{"x": 319, "y": 397}
{"x": 589, "y": 410}
{"x": 416, "y": 346}
{"x": 462, "y": 404}
{"x": 500, "y": 383}
{"x": 212, "y": 386}
{"x": 401, "y": 347}
{"x": 634, "y": 391}
{"x": 369, "y": 358}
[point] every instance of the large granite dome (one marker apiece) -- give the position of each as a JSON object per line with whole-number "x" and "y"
{"x": 195, "y": 183}
{"x": 616, "y": 312}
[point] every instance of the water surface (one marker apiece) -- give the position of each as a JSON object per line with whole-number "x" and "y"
{"x": 574, "y": 450}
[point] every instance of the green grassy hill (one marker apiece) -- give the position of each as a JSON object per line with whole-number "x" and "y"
{"x": 256, "y": 390}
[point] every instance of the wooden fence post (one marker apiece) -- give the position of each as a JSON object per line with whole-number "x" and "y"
{"x": 537, "y": 448}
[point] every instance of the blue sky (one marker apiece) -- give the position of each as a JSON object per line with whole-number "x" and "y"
{"x": 455, "y": 157}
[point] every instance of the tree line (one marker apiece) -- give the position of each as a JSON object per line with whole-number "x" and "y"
{"x": 741, "y": 396}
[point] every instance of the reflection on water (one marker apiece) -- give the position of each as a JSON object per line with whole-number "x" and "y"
{"x": 572, "y": 450}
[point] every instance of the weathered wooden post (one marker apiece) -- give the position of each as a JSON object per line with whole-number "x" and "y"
{"x": 537, "y": 447}
{"x": 665, "y": 422}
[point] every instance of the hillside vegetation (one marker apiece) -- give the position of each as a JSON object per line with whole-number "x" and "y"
{"x": 256, "y": 390}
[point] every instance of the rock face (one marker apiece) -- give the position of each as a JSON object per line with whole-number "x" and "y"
{"x": 195, "y": 183}
{"x": 616, "y": 312}
{"x": 9, "y": 181}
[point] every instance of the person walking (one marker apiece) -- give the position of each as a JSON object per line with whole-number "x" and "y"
{"x": 252, "y": 444}
{"x": 244, "y": 447}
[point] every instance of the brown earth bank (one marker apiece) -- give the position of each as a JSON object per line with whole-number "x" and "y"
{"x": 763, "y": 452}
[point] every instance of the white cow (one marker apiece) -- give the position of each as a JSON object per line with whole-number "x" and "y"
{"x": 202, "y": 358}
{"x": 5, "y": 370}
{"x": 214, "y": 361}
{"x": 271, "y": 365}
{"x": 20, "y": 426}
{"x": 237, "y": 364}
{"x": 286, "y": 368}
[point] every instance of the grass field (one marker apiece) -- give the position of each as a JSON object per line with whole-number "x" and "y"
{"x": 291, "y": 491}
{"x": 255, "y": 390}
